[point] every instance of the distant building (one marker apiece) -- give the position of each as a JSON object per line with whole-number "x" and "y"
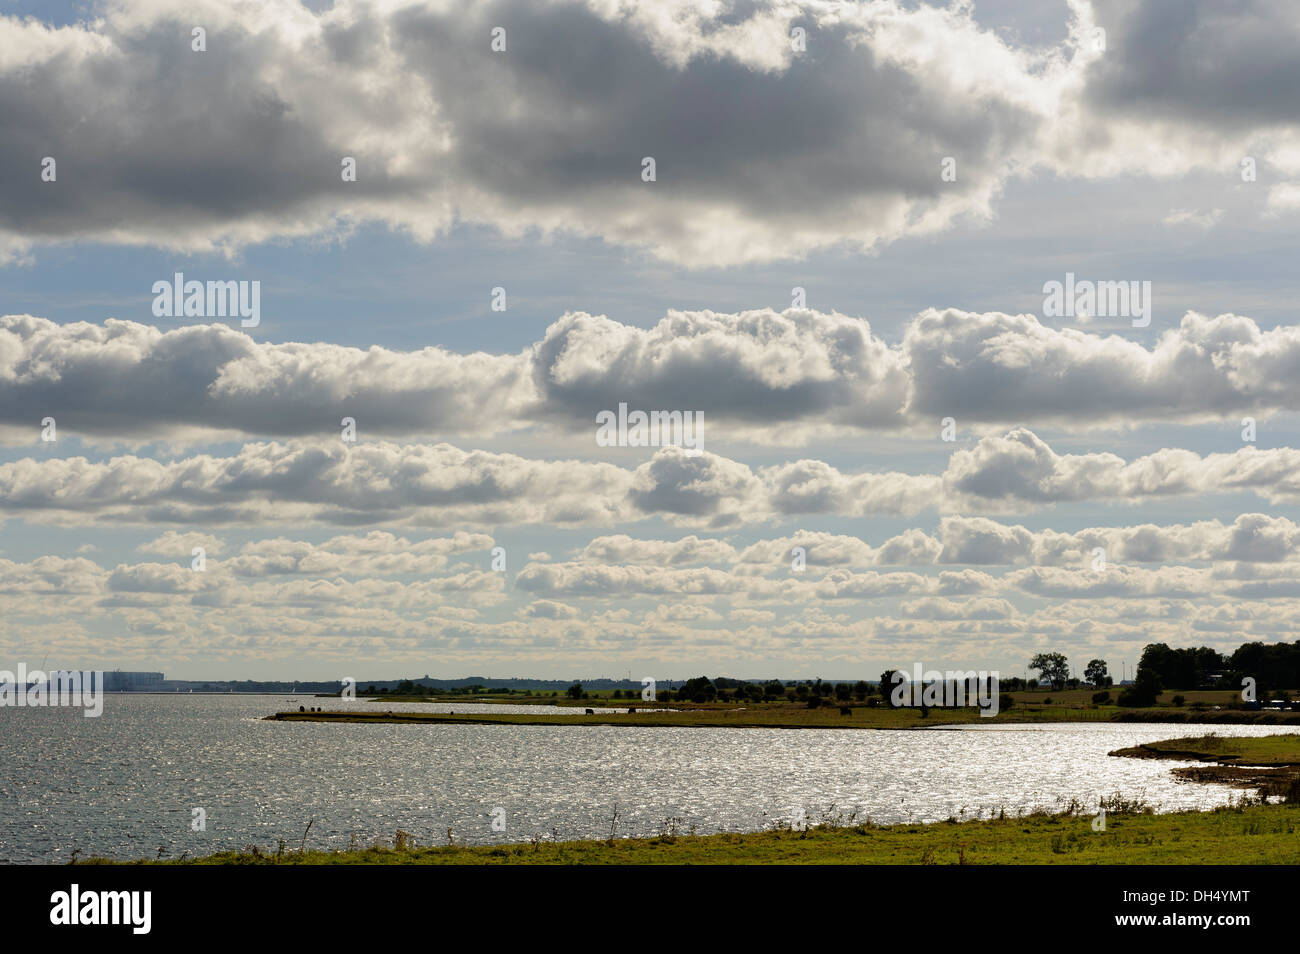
{"x": 119, "y": 681}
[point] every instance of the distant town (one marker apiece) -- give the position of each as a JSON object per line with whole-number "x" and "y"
{"x": 123, "y": 681}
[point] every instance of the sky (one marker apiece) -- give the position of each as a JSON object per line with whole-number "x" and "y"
{"x": 840, "y": 258}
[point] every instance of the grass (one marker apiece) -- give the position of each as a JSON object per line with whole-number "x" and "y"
{"x": 1247, "y": 833}
{"x": 786, "y": 715}
{"x": 1269, "y": 763}
{"x": 1268, "y": 750}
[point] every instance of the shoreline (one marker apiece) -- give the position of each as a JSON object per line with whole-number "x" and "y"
{"x": 1118, "y": 831}
{"x": 799, "y": 718}
{"x": 1231, "y": 835}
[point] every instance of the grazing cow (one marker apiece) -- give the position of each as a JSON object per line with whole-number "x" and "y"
{"x": 845, "y": 710}
{"x": 591, "y": 712}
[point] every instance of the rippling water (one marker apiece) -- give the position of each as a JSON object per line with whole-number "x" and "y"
{"x": 123, "y": 785}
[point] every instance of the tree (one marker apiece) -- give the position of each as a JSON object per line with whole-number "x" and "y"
{"x": 887, "y": 686}
{"x": 1189, "y": 668}
{"x": 1053, "y": 667}
{"x": 574, "y": 691}
{"x": 699, "y": 689}
{"x": 1144, "y": 691}
{"x": 1096, "y": 674}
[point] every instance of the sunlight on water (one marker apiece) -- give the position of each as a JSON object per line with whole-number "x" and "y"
{"x": 123, "y": 785}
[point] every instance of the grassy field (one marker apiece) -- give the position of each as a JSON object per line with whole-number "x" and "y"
{"x": 1069, "y": 698}
{"x": 794, "y": 716}
{"x": 1245, "y": 834}
{"x": 1269, "y": 750}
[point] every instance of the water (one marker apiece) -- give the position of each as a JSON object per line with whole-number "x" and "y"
{"x": 124, "y": 785}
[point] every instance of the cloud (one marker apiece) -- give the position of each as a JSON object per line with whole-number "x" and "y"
{"x": 123, "y": 380}
{"x": 176, "y": 544}
{"x": 377, "y": 553}
{"x": 550, "y": 134}
{"x": 938, "y": 608}
{"x": 445, "y": 130}
{"x": 439, "y": 485}
{"x": 620, "y": 548}
{"x": 775, "y": 378}
{"x": 1193, "y": 217}
{"x": 550, "y": 609}
{"x": 997, "y": 367}
{"x": 1021, "y": 469}
{"x": 759, "y": 368}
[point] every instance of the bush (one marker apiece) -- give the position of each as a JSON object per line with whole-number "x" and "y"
{"x": 1005, "y": 701}
{"x": 1178, "y": 701}
{"x": 1138, "y": 697}
{"x": 1100, "y": 698}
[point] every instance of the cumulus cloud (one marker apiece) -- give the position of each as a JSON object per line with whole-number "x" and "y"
{"x": 765, "y": 376}
{"x": 550, "y": 609}
{"x": 441, "y": 485}
{"x": 377, "y": 553}
{"x": 123, "y": 380}
{"x": 997, "y": 367}
{"x": 445, "y": 130}
{"x": 1020, "y": 469}
{"x": 621, "y": 548}
{"x": 760, "y": 367}
{"x": 176, "y": 544}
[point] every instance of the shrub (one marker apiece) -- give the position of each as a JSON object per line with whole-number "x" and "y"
{"x": 1100, "y": 698}
{"x": 1138, "y": 697}
{"x": 1178, "y": 701}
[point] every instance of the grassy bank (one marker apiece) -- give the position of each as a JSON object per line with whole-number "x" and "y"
{"x": 1270, "y": 764}
{"x": 1273, "y": 750}
{"x": 1247, "y": 834}
{"x": 786, "y": 716}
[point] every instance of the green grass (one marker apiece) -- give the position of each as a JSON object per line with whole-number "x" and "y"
{"x": 1269, "y": 750}
{"x": 1268, "y": 764}
{"x": 1254, "y": 834}
{"x": 793, "y": 716}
